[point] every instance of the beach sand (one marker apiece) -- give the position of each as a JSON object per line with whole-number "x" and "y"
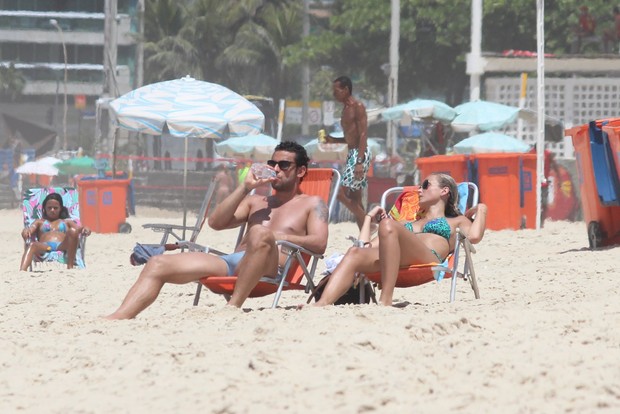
{"x": 544, "y": 336}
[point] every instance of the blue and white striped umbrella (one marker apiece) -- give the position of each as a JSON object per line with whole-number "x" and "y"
{"x": 420, "y": 108}
{"x": 490, "y": 142}
{"x": 257, "y": 147}
{"x": 483, "y": 116}
{"x": 189, "y": 108}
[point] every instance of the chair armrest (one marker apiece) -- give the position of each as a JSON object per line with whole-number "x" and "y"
{"x": 466, "y": 243}
{"x": 195, "y": 247}
{"x": 161, "y": 227}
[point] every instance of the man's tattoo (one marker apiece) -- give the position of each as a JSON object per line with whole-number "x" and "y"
{"x": 322, "y": 211}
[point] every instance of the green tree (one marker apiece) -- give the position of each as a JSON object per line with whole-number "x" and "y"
{"x": 434, "y": 40}
{"x": 253, "y": 61}
{"x": 169, "y": 52}
{"x": 12, "y": 82}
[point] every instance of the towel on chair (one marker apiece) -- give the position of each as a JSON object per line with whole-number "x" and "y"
{"x": 143, "y": 252}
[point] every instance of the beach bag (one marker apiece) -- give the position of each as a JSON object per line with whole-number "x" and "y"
{"x": 351, "y": 296}
{"x": 143, "y": 252}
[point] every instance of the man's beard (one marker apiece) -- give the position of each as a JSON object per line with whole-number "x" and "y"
{"x": 282, "y": 185}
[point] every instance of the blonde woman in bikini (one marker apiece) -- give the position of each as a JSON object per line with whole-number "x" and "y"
{"x": 428, "y": 239}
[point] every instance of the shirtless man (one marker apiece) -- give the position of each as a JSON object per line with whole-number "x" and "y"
{"x": 354, "y": 125}
{"x": 286, "y": 215}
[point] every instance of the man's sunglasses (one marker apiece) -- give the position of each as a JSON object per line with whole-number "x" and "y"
{"x": 284, "y": 165}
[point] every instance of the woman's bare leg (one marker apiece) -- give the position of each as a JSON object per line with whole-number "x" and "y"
{"x": 34, "y": 248}
{"x": 70, "y": 244}
{"x": 357, "y": 259}
{"x": 178, "y": 268}
{"x": 398, "y": 247}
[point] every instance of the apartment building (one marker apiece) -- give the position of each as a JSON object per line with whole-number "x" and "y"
{"x": 32, "y": 36}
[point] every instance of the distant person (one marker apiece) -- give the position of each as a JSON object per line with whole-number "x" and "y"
{"x": 611, "y": 35}
{"x": 355, "y": 128}
{"x": 585, "y": 32}
{"x": 167, "y": 161}
{"x": 200, "y": 165}
{"x": 225, "y": 183}
{"x": 54, "y": 232}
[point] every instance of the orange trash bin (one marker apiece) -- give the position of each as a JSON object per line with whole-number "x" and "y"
{"x": 456, "y": 166}
{"x": 498, "y": 183}
{"x": 613, "y": 135}
{"x": 103, "y": 205}
{"x": 601, "y": 216}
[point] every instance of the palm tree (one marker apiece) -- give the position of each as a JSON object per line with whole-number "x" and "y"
{"x": 210, "y": 35}
{"x": 168, "y": 49}
{"x": 254, "y": 62}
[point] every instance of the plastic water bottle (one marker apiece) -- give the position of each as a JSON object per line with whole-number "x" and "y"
{"x": 262, "y": 171}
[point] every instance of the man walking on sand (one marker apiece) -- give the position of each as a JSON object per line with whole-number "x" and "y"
{"x": 288, "y": 215}
{"x": 355, "y": 127}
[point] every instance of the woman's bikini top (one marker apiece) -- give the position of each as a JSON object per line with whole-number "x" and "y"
{"x": 47, "y": 227}
{"x": 438, "y": 226}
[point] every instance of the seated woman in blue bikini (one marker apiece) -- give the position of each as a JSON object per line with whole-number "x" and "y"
{"x": 428, "y": 239}
{"x": 54, "y": 232}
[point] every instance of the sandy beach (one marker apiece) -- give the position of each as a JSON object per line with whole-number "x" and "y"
{"x": 543, "y": 338}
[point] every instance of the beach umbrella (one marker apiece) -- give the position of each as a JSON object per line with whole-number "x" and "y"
{"x": 187, "y": 108}
{"x": 49, "y": 160}
{"x": 336, "y": 151}
{"x": 490, "y": 142}
{"x": 38, "y": 167}
{"x": 420, "y": 108}
{"x": 77, "y": 165}
{"x": 483, "y": 116}
{"x": 257, "y": 147}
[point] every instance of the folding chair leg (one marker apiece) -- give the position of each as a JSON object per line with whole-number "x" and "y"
{"x": 470, "y": 272}
{"x": 197, "y": 296}
{"x": 471, "y": 275}
{"x": 362, "y": 284}
{"x": 473, "y": 282}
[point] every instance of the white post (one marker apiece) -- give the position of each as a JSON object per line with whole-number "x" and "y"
{"x": 476, "y": 49}
{"x": 522, "y": 96}
{"x": 540, "y": 142}
{"x": 393, "y": 79}
{"x": 305, "y": 73}
{"x": 140, "y": 46}
{"x": 54, "y": 23}
{"x": 110, "y": 88}
{"x": 280, "y": 119}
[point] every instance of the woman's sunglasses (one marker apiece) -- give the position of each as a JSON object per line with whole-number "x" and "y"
{"x": 425, "y": 184}
{"x": 283, "y": 165}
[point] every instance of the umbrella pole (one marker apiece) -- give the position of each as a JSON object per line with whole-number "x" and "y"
{"x": 114, "y": 153}
{"x": 185, "y": 185}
